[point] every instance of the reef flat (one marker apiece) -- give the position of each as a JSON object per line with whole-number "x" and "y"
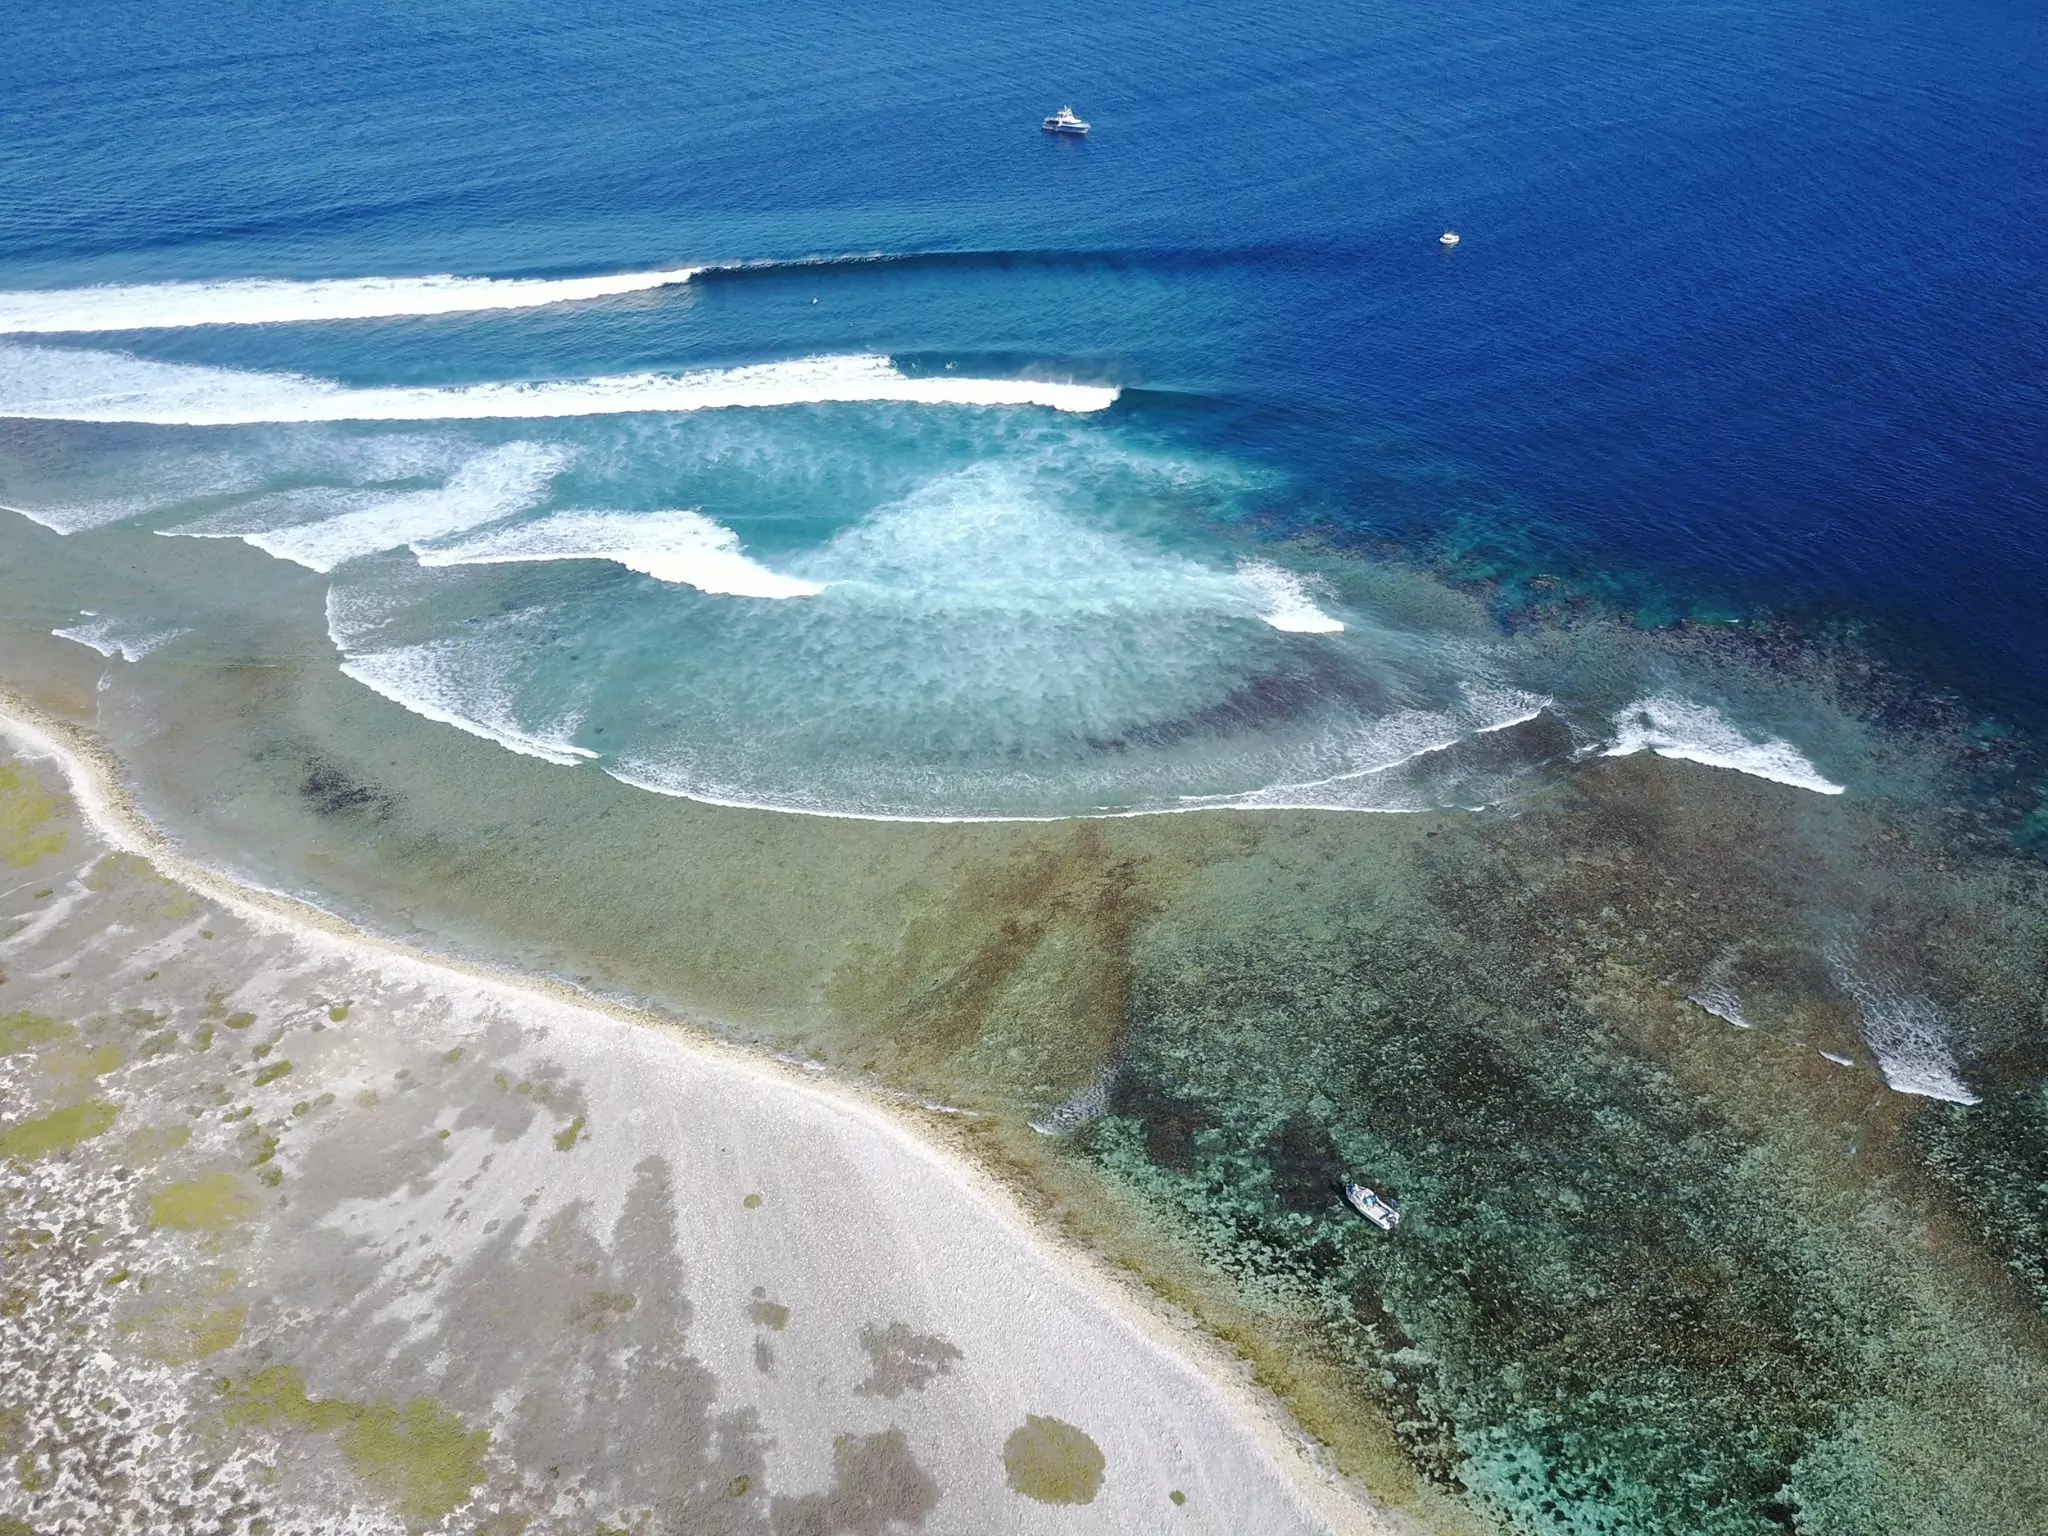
{"x": 306, "y": 1235}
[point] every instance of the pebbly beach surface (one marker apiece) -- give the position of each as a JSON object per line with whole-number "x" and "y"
{"x": 308, "y": 1233}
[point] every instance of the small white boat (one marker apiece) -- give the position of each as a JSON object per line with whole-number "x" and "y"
{"x": 1064, "y": 121}
{"x": 1448, "y": 238}
{"x": 1383, "y": 1214}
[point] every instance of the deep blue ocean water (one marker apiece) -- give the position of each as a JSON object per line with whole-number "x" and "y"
{"x": 1748, "y": 317}
{"x": 972, "y": 472}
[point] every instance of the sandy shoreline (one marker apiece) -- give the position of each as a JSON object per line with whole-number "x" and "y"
{"x": 1198, "y": 1380}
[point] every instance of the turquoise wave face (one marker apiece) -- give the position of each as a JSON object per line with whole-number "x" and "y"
{"x": 836, "y": 584}
{"x": 860, "y": 607}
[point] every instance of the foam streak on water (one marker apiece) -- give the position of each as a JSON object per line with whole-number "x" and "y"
{"x": 57, "y": 384}
{"x": 271, "y": 301}
{"x": 111, "y": 637}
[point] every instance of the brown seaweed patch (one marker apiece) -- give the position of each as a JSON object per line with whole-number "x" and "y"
{"x": 332, "y": 790}
{"x": 1020, "y": 976}
{"x": 904, "y": 1361}
{"x": 876, "y": 1485}
{"x": 1053, "y": 1462}
{"x": 768, "y": 1314}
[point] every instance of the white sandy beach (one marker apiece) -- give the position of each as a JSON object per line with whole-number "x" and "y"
{"x": 486, "y": 1256}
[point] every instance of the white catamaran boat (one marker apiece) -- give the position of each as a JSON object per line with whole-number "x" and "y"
{"x": 1064, "y": 121}
{"x": 1383, "y": 1214}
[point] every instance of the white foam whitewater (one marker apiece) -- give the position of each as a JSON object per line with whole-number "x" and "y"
{"x": 61, "y": 384}
{"x": 1904, "y": 1031}
{"x": 112, "y": 637}
{"x": 1699, "y": 733}
{"x": 276, "y": 301}
{"x": 442, "y": 681}
{"x": 681, "y": 546}
{"x": 1284, "y": 600}
{"x": 322, "y": 527}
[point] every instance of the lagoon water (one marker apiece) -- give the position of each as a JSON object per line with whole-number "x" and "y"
{"x": 619, "y": 492}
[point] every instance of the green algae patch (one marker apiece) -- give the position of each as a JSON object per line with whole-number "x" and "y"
{"x": 110, "y": 869}
{"x": 25, "y": 816}
{"x": 752, "y": 1202}
{"x": 24, "y": 1031}
{"x": 58, "y": 1131}
{"x": 182, "y": 1335}
{"x": 76, "y": 1069}
{"x": 205, "y": 1204}
{"x": 152, "y": 1142}
{"x": 420, "y": 1458}
{"x": 1052, "y": 1462}
{"x": 566, "y": 1139}
{"x": 239, "y": 1020}
{"x": 273, "y": 1072}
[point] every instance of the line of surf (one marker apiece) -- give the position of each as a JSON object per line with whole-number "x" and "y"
{"x": 115, "y": 307}
{"x": 1111, "y": 258}
{"x": 62, "y": 384}
{"x": 280, "y": 301}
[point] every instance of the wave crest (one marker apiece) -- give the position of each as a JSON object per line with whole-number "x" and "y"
{"x": 345, "y": 524}
{"x": 1699, "y": 733}
{"x": 279, "y": 301}
{"x": 679, "y": 546}
{"x": 59, "y": 384}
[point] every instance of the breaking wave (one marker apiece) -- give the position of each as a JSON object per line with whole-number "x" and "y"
{"x": 324, "y": 526}
{"x": 277, "y": 301}
{"x": 1904, "y": 1031}
{"x": 1699, "y": 733}
{"x": 1013, "y": 639}
{"x": 679, "y": 546}
{"x": 60, "y": 384}
{"x": 1284, "y": 601}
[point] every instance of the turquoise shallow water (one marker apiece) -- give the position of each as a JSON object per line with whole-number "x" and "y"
{"x": 792, "y": 427}
{"x": 1742, "y": 312}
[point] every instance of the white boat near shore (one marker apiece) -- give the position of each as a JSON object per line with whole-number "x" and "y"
{"x": 1383, "y": 1214}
